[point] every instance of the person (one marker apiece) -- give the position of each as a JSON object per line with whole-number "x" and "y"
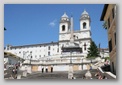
{"x": 83, "y": 77}
{"x": 13, "y": 70}
{"x": 42, "y": 69}
{"x": 46, "y": 69}
{"x": 90, "y": 67}
{"x": 100, "y": 77}
{"x": 51, "y": 69}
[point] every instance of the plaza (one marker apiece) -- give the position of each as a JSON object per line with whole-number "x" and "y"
{"x": 65, "y": 59}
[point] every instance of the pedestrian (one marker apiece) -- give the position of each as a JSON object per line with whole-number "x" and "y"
{"x": 83, "y": 77}
{"x": 13, "y": 71}
{"x": 42, "y": 69}
{"x": 90, "y": 67}
{"x": 51, "y": 69}
{"x": 46, "y": 69}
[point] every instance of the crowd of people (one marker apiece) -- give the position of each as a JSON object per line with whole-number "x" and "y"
{"x": 15, "y": 71}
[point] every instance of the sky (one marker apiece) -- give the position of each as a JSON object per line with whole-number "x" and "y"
{"x": 39, "y": 23}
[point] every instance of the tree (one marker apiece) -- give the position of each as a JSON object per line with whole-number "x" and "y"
{"x": 105, "y": 25}
{"x": 92, "y": 51}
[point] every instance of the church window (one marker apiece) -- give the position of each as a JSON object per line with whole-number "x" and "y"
{"x": 74, "y": 36}
{"x": 49, "y": 48}
{"x": 84, "y": 25}
{"x": 63, "y": 28}
{"x": 57, "y": 49}
{"x": 84, "y": 46}
{"x": 81, "y": 50}
{"x": 48, "y": 53}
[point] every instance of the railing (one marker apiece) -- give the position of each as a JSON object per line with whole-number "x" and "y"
{"x": 63, "y": 61}
{"x": 108, "y": 75}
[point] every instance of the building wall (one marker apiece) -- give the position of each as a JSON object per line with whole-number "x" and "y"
{"x": 111, "y": 27}
{"x": 40, "y": 51}
{"x": 48, "y": 50}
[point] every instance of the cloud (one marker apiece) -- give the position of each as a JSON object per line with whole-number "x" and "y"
{"x": 53, "y": 23}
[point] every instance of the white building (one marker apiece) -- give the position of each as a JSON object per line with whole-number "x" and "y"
{"x": 53, "y": 51}
{"x": 104, "y": 52}
{"x": 37, "y": 51}
{"x": 10, "y": 60}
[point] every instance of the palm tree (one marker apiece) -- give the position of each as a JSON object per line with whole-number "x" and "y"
{"x": 105, "y": 25}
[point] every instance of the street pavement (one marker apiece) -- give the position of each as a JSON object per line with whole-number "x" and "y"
{"x": 58, "y": 75}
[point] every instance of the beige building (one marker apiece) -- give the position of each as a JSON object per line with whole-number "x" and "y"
{"x": 109, "y": 17}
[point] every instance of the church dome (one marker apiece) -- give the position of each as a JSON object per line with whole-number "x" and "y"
{"x": 84, "y": 15}
{"x": 64, "y": 15}
{"x": 64, "y": 18}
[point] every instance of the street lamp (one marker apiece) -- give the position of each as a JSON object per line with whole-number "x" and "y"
{"x": 82, "y": 63}
{"x": 30, "y": 57}
{"x": 103, "y": 52}
{"x": 71, "y": 58}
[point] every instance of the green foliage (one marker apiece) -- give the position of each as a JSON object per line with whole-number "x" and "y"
{"x": 107, "y": 58}
{"x": 105, "y": 25}
{"x": 92, "y": 51}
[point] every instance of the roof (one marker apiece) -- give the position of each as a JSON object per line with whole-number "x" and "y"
{"x": 85, "y": 13}
{"x": 7, "y": 54}
{"x": 104, "y": 12}
{"x": 85, "y": 16}
{"x": 35, "y": 44}
{"x": 103, "y": 49}
{"x": 65, "y": 15}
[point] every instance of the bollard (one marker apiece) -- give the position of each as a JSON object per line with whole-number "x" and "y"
{"x": 25, "y": 73}
{"x": 18, "y": 76}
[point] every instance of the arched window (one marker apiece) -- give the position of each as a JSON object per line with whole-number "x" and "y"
{"x": 63, "y": 28}
{"x": 84, "y": 25}
{"x": 74, "y": 36}
{"x": 84, "y": 46}
{"x": 81, "y": 50}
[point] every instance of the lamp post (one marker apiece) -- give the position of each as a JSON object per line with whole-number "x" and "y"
{"x": 103, "y": 52}
{"x": 71, "y": 58}
{"x": 82, "y": 63}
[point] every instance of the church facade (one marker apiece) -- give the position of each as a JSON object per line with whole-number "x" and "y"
{"x": 52, "y": 52}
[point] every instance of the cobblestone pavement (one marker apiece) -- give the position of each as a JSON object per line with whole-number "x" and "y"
{"x": 58, "y": 75}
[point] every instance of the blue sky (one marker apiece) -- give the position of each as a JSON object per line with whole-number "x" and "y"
{"x": 39, "y": 23}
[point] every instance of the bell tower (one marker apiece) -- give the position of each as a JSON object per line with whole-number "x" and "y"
{"x": 85, "y": 21}
{"x": 64, "y": 27}
{"x": 64, "y": 24}
{"x": 85, "y": 26}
